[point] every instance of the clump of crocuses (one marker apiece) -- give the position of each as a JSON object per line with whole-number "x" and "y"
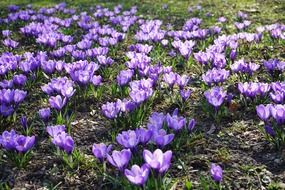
{"x": 65, "y": 145}
{"x": 273, "y": 117}
{"x": 17, "y": 147}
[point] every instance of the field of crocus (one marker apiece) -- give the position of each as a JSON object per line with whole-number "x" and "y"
{"x": 152, "y": 95}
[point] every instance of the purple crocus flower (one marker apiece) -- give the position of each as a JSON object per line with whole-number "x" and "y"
{"x": 161, "y": 138}
{"x": 222, "y": 19}
{"x": 64, "y": 142}
{"x": 278, "y": 113}
{"x": 67, "y": 91}
{"x": 191, "y": 125}
{"x": 170, "y": 78}
{"x": 233, "y": 54}
{"x": 138, "y": 175}
{"x": 263, "y": 111}
{"x": 124, "y": 77}
{"x": 96, "y": 80}
{"x": 7, "y": 139}
{"x": 6, "y": 84}
{"x": 6, "y": 33}
{"x": 53, "y": 131}
{"x": 19, "y": 96}
{"x": 120, "y": 159}
{"x": 175, "y": 122}
{"x": 215, "y": 96}
{"x": 158, "y": 160}
{"x": 250, "y": 89}
{"x": 271, "y": 64}
{"x": 128, "y": 139}
{"x": 156, "y": 121}
{"x": 6, "y": 110}
{"x": 7, "y": 96}
{"x": 24, "y": 122}
{"x": 215, "y": 76}
{"x": 101, "y": 150}
{"x": 10, "y": 43}
{"x": 263, "y": 88}
{"x": 19, "y": 80}
{"x": 44, "y": 114}
{"x": 269, "y": 130}
{"x": 278, "y": 97}
{"x": 216, "y": 172}
{"x": 110, "y": 110}
{"x": 57, "y": 102}
{"x": 182, "y": 81}
{"x": 24, "y": 143}
{"x": 185, "y": 94}
{"x": 144, "y": 135}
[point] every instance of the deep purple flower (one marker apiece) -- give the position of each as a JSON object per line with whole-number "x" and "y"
{"x": 120, "y": 159}
{"x": 48, "y": 66}
{"x": 263, "y": 111}
{"x": 64, "y": 142}
{"x": 57, "y": 102}
{"x": 124, "y": 77}
{"x": 141, "y": 95}
{"x": 216, "y": 172}
{"x": 269, "y": 130}
{"x": 67, "y": 91}
{"x": 182, "y": 81}
{"x": 6, "y": 84}
{"x": 10, "y": 43}
{"x": 278, "y": 97}
{"x": 202, "y": 57}
{"x": 215, "y": 76}
{"x": 24, "y": 143}
{"x": 110, "y": 110}
{"x": 7, "y": 96}
{"x": 191, "y": 125}
{"x": 250, "y": 89}
{"x": 6, "y": 33}
{"x": 233, "y": 54}
{"x": 24, "y": 122}
{"x": 271, "y": 64}
{"x": 144, "y": 135}
{"x": 219, "y": 60}
{"x": 6, "y": 110}
{"x": 55, "y": 130}
{"x": 215, "y": 96}
{"x": 161, "y": 138}
{"x": 7, "y": 139}
{"x": 19, "y": 80}
{"x": 137, "y": 175}
{"x": 278, "y": 113}
{"x": 128, "y": 139}
{"x": 19, "y": 96}
{"x": 158, "y": 160}
{"x": 175, "y": 122}
{"x": 44, "y": 113}
{"x": 263, "y": 88}
{"x": 103, "y": 60}
{"x": 101, "y": 150}
{"x": 156, "y": 121}
{"x": 185, "y": 94}
{"x": 96, "y": 80}
{"x": 170, "y": 78}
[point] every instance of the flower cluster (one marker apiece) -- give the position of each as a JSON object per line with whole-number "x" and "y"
{"x": 12, "y": 141}
{"x": 60, "y": 138}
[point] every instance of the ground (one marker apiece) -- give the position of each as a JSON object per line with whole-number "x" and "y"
{"x": 249, "y": 161}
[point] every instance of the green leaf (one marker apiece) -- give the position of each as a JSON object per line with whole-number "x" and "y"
{"x": 188, "y": 185}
